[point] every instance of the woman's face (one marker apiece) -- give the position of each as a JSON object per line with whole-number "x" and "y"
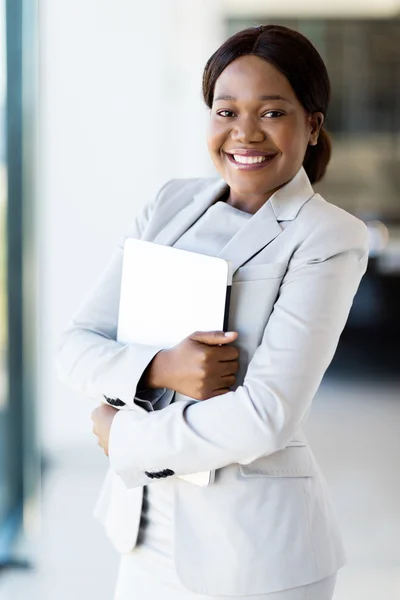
{"x": 258, "y": 131}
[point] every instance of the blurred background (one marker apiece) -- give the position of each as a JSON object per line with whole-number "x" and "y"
{"x": 100, "y": 104}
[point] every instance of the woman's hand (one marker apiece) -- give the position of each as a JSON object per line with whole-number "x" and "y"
{"x": 102, "y": 418}
{"x": 201, "y": 366}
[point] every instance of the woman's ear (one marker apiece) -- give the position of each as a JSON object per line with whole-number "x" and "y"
{"x": 316, "y": 121}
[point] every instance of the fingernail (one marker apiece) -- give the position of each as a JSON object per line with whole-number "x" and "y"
{"x": 229, "y": 333}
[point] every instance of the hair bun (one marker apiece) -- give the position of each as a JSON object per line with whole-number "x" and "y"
{"x": 317, "y": 157}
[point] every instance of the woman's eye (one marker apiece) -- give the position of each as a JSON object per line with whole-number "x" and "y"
{"x": 225, "y": 113}
{"x": 273, "y": 114}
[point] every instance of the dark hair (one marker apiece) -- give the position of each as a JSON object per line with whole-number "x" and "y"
{"x": 294, "y": 56}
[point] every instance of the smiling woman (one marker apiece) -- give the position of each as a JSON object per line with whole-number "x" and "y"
{"x": 231, "y": 402}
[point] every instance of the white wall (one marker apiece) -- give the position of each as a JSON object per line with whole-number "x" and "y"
{"x": 120, "y": 113}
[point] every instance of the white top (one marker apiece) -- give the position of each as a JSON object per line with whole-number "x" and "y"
{"x": 206, "y": 235}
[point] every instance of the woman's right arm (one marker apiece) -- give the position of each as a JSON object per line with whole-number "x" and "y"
{"x": 89, "y": 359}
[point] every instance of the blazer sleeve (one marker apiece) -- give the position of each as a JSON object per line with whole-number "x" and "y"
{"x": 264, "y": 414}
{"x": 89, "y": 359}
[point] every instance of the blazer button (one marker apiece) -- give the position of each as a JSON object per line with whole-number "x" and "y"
{"x": 114, "y": 401}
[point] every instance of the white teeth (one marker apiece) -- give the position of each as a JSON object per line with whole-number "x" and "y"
{"x": 249, "y": 160}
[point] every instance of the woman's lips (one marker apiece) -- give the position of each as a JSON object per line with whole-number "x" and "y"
{"x": 250, "y": 163}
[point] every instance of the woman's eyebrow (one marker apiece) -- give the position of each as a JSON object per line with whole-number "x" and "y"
{"x": 263, "y": 98}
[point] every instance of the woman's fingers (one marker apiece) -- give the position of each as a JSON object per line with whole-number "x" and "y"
{"x": 220, "y": 392}
{"x": 223, "y": 385}
{"x": 228, "y": 353}
{"x": 228, "y": 381}
{"x": 229, "y": 367}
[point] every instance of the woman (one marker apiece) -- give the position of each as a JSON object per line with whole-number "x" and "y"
{"x": 231, "y": 403}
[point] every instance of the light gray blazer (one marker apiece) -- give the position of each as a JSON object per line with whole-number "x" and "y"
{"x": 266, "y": 523}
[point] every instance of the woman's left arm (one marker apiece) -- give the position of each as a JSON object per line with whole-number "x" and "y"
{"x": 264, "y": 414}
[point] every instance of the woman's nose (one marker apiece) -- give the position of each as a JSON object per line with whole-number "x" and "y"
{"x": 248, "y": 130}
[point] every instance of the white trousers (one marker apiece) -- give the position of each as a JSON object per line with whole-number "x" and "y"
{"x": 140, "y": 577}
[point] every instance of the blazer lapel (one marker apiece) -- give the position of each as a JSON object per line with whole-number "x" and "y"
{"x": 257, "y": 232}
{"x": 288, "y": 200}
{"x": 263, "y": 227}
{"x": 190, "y": 213}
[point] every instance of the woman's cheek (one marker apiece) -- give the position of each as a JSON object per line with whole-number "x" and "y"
{"x": 215, "y": 143}
{"x": 214, "y": 140}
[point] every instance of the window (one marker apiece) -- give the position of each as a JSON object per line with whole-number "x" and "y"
{"x": 18, "y": 457}
{"x": 4, "y": 489}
